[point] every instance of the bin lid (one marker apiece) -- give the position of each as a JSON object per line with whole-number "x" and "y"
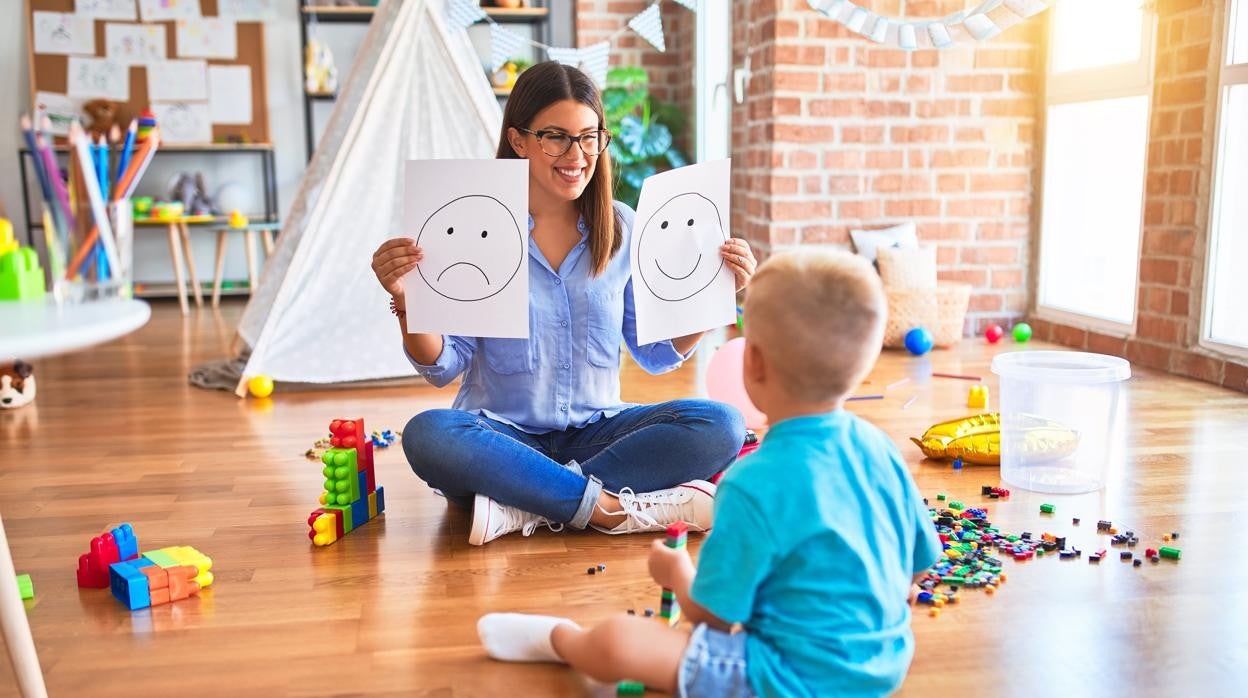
{"x": 1061, "y": 367}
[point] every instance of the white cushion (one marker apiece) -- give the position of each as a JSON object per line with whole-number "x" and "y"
{"x": 866, "y": 242}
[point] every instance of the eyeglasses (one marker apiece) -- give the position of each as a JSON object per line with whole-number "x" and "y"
{"x": 557, "y": 143}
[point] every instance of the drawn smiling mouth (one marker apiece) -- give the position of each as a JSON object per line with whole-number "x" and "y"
{"x": 487, "y": 279}
{"x": 680, "y": 278}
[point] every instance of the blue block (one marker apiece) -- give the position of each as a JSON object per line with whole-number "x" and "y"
{"x": 381, "y": 499}
{"x": 127, "y": 542}
{"x": 128, "y": 584}
{"x": 364, "y": 486}
{"x": 359, "y": 512}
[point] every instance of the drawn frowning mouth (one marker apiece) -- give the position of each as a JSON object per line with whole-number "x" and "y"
{"x": 470, "y": 264}
{"x": 678, "y": 278}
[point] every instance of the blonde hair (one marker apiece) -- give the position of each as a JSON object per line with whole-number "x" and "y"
{"x": 818, "y": 318}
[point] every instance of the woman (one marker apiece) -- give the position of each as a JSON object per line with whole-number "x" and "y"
{"x": 537, "y": 434}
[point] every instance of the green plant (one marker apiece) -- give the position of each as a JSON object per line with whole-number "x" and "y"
{"x": 641, "y": 129}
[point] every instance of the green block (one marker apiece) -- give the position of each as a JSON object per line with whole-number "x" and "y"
{"x": 1011, "y": 538}
{"x": 21, "y": 277}
{"x": 1170, "y": 553}
{"x": 630, "y": 688}
{"x": 347, "y": 526}
{"x": 940, "y": 497}
{"x": 1047, "y": 508}
{"x": 953, "y": 579}
{"x": 25, "y": 586}
{"x": 161, "y": 558}
{"x": 957, "y": 505}
{"x": 342, "y": 480}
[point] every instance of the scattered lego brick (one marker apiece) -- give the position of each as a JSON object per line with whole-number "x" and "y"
{"x": 1170, "y": 553}
{"x": 1047, "y": 508}
{"x": 25, "y": 586}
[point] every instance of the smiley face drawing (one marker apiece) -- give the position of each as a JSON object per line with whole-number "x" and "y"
{"x": 473, "y": 248}
{"x": 678, "y": 252}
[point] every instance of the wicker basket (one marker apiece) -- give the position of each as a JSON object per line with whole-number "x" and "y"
{"x": 941, "y": 310}
{"x": 907, "y": 267}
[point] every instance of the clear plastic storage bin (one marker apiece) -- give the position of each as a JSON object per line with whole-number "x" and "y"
{"x": 1061, "y": 427}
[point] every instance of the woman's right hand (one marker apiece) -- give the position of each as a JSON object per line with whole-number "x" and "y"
{"x": 393, "y": 260}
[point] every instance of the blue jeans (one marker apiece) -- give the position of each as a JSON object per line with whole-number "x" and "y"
{"x": 714, "y": 665}
{"x": 560, "y": 474}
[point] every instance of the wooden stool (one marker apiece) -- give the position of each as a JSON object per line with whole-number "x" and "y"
{"x": 249, "y": 246}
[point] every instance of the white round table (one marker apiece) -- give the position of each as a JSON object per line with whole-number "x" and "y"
{"x": 29, "y": 330}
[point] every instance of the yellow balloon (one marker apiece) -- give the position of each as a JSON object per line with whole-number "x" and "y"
{"x": 260, "y": 386}
{"x": 977, "y": 439}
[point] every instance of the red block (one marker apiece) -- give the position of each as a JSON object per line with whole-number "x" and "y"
{"x": 347, "y": 433}
{"x": 93, "y": 566}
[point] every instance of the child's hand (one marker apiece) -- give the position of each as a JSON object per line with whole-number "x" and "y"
{"x": 394, "y": 259}
{"x": 670, "y": 567}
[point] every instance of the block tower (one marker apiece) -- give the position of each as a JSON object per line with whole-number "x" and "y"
{"x": 351, "y": 497}
{"x": 669, "y": 609}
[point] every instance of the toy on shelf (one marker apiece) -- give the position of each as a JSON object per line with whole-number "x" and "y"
{"x": 160, "y": 576}
{"x": 351, "y": 497}
{"x": 17, "y": 385}
{"x": 507, "y": 74}
{"x": 978, "y": 397}
{"x": 669, "y": 608}
{"x": 118, "y": 545}
{"x": 918, "y": 341}
{"x": 320, "y": 74}
{"x": 103, "y": 115}
{"x": 238, "y": 220}
{"x": 993, "y": 334}
{"x": 977, "y": 439}
{"x": 25, "y": 586}
{"x": 260, "y": 386}
{"x": 1022, "y": 333}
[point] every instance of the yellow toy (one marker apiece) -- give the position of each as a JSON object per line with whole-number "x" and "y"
{"x": 977, "y": 439}
{"x": 237, "y": 219}
{"x": 320, "y": 74}
{"x": 7, "y": 242}
{"x": 978, "y": 397}
{"x": 260, "y": 386}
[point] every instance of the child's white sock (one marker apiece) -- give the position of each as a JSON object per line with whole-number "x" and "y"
{"x": 519, "y": 637}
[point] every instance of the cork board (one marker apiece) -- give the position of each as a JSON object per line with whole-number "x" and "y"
{"x": 50, "y": 73}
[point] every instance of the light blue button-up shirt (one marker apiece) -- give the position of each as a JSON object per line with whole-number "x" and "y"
{"x": 567, "y": 373}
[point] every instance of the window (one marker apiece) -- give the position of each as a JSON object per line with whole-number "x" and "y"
{"x": 1096, "y": 138}
{"x": 1226, "y": 320}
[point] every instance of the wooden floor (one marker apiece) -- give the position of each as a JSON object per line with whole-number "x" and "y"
{"x": 117, "y": 434}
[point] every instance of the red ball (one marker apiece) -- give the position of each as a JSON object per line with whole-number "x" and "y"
{"x": 993, "y": 334}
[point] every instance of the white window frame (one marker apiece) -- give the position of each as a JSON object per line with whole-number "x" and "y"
{"x": 1091, "y": 85}
{"x": 711, "y": 71}
{"x": 1228, "y": 75}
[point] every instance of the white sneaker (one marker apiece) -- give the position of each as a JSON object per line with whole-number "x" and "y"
{"x": 492, "y": 520}
{"x": 692, "y": 502}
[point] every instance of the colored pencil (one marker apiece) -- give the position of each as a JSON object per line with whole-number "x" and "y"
{"x": 894, "y": 384}
{"x": 123, "y": 159}
{"x": 80, "y": 141}
{"x": 910, "y": 401}
{"x": 45, "y": 185}
{"x": 124, "y": 189}
{"x": 58, "y": 183}
{"x": 958, "y": 377}
{"x": 864, "y": 397}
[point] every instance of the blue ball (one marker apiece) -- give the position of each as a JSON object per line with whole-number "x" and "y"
{"x": 919, "y": 341}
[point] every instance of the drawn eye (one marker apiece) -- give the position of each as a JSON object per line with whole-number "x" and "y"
{"x": 690, "y": 223}
{"x": 450, "y": 230}
{"x": 484, "y": 233}
{"x": 664, "y": 226}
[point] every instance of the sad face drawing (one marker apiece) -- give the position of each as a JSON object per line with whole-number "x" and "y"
{"x": 678, "y": 252}
{"x": 473, "y": 248}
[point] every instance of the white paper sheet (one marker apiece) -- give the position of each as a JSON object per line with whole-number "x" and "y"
{"x": 247, "y": 10}
{"x": 162, "y": 10}
{"x": 681, "y": 284}
{"x": 470, "y": 218}
{"x": 169, "y": 81}
{"x": 106, "y": 9}
{"x": 64, "y": 33}
{"x": 61, "y": 110}
{"x": 183, "y": 122}
{"x": 207, "y": 38}
{"x": 229, "y": 94}
{"x": 98, "y": 78}
{"x": 134, "y": 44}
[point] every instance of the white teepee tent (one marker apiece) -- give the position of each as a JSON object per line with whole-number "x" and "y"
{"x": 417, "y": 90}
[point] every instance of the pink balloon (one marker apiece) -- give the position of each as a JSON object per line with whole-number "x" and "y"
{"x": 724, "y": 382}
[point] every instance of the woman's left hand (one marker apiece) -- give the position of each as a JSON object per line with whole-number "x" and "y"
{"x": 740, "y": 258}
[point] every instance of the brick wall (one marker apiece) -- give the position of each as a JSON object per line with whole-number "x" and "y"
{"x": 1176, "y": 206}
{"x": 671, "y": 72}
{"x": 839, "y": 133}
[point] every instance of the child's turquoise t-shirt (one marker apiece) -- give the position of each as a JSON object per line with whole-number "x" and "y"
{"x": 818, "y": 535}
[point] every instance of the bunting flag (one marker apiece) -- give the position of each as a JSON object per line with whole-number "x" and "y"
{"x": 504, "y": 43}
{"x": 649, "y": 25}
{"x": 691, "y": 5}
{"x": 566, "y": 56}
{"x": 464, "y": 13}
{"x": 594, "y": 60}
{"x": 983, "y": 22}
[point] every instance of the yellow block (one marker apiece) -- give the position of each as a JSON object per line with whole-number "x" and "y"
{"x": 372, "y": 504}
{"x": 186, "y": 555}
{"x": 326, "y": 528}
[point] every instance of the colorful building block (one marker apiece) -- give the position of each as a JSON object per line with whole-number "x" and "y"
{"x": 21, "y": 277}
{"x": 978, "y": 397}
{"x": 25, "y": 586}
{"x": 160, "y": 576}
{"x": 359, "y": 513}
{"x": 350, "y": 497}
{"x": 669, "y": 607}
{"x": 93, "y": 566}
{"x": 127, "y": 542}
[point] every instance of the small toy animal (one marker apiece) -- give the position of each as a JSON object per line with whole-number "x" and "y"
{"x": 17, "y": 385}
{"x": 103, "y": 115}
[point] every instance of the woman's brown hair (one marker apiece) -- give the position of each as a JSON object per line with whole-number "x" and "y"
{"x": 539, "y": 87}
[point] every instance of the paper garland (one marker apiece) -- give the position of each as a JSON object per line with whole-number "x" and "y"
{"x": 503, "y": 44}
{"x": 464, "y": 13}
{"x": 649, "y": 25}
{"x": 987, "y": 20}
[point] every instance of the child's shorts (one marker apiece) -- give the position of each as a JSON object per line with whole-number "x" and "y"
{"x": 714, "y": 665}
